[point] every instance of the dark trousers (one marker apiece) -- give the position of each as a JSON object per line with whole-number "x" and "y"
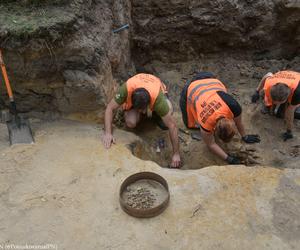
{"x": 281, "y": 110}
{"x": 183, "y": 95}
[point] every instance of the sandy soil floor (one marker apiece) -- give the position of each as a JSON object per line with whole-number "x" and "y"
{"x": 63, "y": 191}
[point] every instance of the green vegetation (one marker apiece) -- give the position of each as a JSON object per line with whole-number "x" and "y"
{"x": 21, "y": 21}
{"x": 35, "y": 2}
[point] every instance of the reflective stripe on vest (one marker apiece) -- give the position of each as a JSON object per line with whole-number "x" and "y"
{"x": 204, "y": 105}
{"x": 200, "y": 86}
{"x": 203, "y": 92}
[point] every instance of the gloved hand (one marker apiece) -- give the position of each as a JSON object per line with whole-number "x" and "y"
{"x": 287, "y": 135}
{"x": 233, "y": 160}
{"x": 255, "y": 97}
{"x": 251, "y": 138}
{"x": 266, "y": 110}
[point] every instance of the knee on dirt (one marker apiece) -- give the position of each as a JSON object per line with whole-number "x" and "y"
{"x": 131, "y": 124}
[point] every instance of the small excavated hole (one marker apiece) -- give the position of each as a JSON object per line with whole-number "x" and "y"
{"x": 194, "y": 156}
{"x": 156, "y": 146}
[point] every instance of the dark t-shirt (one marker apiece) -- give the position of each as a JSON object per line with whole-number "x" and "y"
{"x": 296, "y": 96}
{"x": 233, "y": 105}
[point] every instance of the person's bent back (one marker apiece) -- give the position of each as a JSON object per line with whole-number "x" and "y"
{"x": 139, "y": 94}
{"x": 205, "y": 104}
{"x": 280, "y": 89}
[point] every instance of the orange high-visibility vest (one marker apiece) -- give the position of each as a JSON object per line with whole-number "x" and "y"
{"x": 204, "y": 105}
{"x": 149, "y": 82}
{"x": 290, "y": 78}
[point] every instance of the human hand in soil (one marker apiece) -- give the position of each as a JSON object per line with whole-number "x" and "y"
{"x": 287, "y": 135}
{"x": 255, "y": 97}
{"x": 233, "y": 160}
{"x": 175, "y": 161}
{"x": 251, "y": 138}
{"x": 107, "y": 140}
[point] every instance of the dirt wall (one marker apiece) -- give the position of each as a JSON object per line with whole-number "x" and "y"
{"x": 179, "y": 30}
{"x": 63, "y": 56}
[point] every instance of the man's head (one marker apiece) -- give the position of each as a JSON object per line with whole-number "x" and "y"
{"x": 225, "y": 129}
{"x": 140, "y": 99}
{"x": 279, "y": 93}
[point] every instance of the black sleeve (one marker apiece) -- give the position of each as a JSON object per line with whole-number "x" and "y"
{"x": 296, "y": 96}
{"x": 234, "y": 106}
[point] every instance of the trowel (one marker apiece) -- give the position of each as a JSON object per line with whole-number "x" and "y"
{"x": 18, "y": 128}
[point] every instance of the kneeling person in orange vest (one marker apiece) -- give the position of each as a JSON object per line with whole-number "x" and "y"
{"x": 205, "y": 104}
{"x": 139, "y": 93}
{"x": 280, "y": 88}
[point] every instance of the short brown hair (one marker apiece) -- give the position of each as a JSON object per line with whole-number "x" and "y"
{"x": 140, "y": 98}
{"x": 280, "y": 92}
{"x": 225, "y": 129}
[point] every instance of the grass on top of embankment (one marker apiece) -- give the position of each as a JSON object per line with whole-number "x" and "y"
{"x": 32, "y": 18}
